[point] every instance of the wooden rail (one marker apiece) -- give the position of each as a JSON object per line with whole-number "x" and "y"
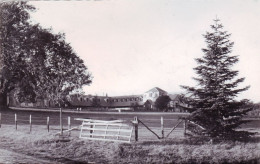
{"x": 149, "y": 129}
{"x": 175, "y": 128}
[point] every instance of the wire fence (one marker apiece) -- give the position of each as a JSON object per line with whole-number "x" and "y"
{"x": 148, "y": 126}
{"x": 52, "y": 121}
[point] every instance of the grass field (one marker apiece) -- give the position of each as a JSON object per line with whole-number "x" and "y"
{"x": 71, "y": 149}
{"x": 176, "y": 149}
{"x": 40, "y": 117}
{"x": 150, "y": 118}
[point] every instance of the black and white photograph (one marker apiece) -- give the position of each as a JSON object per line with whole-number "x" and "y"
{"x": 129, "y": 81}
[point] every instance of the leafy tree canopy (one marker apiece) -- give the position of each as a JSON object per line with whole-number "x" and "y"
{"x": 162, "y": 102}
{"x": 96, "y": 102}
{"x": 35, "y": 62}
{"x": 213, "y": 100}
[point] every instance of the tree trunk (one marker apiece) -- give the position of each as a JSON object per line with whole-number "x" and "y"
{"x": 3, "y": 101}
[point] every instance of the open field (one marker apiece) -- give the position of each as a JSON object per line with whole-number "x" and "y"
{"x": 47, "y": 147}
{"x": 40, "y": 117}
{"x": 152, "y": 119}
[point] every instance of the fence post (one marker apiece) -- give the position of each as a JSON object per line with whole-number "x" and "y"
{"x": 91, "y": 130}
{"x": 185, "y": 126}
{"x": 30, "y": 121}
{"x": 162, "y": 128}
{"x": 136, "y": 127}
{"x": 69, "y": 122}
{"x": 15, "y": 120}
{"x": 61, "y": 124}
{"x": 48, "y": 125}
{"x": 0, "y": 120}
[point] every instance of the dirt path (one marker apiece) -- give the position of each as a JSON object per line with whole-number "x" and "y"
{"x": 7, "y": 156}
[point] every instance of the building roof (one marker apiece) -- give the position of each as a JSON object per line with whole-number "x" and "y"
{"x": 148, "y": 102}
{"x": 173, "y": 96}
{"x": 127, "y": 96}
{"x": 118, "y": 101}
{"x": 156, "y": 89}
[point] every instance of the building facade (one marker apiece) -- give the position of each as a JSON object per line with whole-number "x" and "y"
{"x": 143, "y": 101}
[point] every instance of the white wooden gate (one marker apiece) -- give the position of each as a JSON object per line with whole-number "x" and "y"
{"x": 114, "y": 130}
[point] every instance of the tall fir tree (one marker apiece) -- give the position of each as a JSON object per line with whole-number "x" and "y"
{"x": 212, "y": 101}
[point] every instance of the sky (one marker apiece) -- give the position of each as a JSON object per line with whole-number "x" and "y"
{"x": 131, "y": 46}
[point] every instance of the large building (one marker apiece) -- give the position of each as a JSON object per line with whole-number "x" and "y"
{"x": 142, "y": 101}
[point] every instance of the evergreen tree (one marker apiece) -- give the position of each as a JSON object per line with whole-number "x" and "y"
{"x": 214, "y": 107}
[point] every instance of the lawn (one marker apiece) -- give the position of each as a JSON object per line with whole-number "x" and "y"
{"x": 177, "y": 149}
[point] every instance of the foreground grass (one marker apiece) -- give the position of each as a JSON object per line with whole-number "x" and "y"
{"x": 45, "y": 145}
{"x": 174, "y": 152}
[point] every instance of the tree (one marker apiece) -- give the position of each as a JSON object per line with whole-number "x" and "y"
{"x": 96, "y": 102}
{"x": 13, "y": 26}
{"x": 214, "y": 107}
{"x": 35, "y": 63}
{"x": 135, "y": 106}
{"x": 162, "y": 102}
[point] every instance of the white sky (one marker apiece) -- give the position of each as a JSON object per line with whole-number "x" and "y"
{"x": 131, "y": 46}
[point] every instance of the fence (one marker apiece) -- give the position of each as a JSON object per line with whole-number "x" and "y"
{"x": 30, "y": 120}
{"x": 142, "y": 129}
{"x": 137, "y": 121}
